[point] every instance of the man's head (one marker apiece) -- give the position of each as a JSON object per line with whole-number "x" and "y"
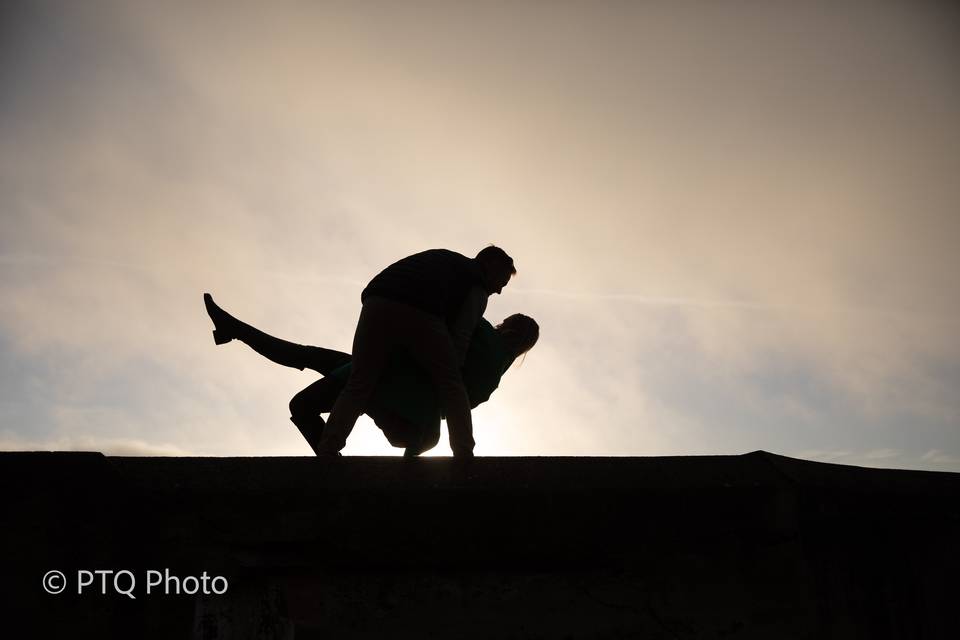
{"x": 497, "y": 268}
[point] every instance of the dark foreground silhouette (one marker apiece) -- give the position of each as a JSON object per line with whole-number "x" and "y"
{"x": 727, "y": 547}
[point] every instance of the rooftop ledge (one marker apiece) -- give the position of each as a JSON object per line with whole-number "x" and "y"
{"x": 75, "y": 474}
{"x": 753, "y": 545}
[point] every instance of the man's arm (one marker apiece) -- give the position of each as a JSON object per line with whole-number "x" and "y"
{"x": 461, "y": 329}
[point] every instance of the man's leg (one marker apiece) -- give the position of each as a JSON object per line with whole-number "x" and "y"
{"x": 372, "y": 343}
{"x": 432, "y": 347}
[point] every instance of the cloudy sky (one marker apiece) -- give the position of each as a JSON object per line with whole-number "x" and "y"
{"x": 737, "y": 226}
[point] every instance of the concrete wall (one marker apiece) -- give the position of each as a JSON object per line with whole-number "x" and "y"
{"x": 752, "y": 546}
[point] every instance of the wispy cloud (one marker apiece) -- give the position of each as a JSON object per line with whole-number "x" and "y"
{"x": 706, "y": 303}
{"x": 940, "y": 457}
{"x": 881, "y": 454}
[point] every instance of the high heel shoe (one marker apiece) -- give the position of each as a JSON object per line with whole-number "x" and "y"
{"x": 221, "y": 321}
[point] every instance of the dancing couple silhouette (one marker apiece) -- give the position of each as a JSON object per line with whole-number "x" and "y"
{"x": 422, "y": 351}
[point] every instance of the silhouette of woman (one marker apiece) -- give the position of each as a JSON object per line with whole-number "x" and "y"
{"x": 405, "y": 405}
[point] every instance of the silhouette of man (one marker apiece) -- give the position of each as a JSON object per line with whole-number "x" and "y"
{"x": 428, "y": 304}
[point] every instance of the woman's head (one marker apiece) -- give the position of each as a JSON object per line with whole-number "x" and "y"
{"x": 519, "y": 333}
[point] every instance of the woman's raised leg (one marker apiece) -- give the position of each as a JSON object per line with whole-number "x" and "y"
{"x": 288, "y": 354}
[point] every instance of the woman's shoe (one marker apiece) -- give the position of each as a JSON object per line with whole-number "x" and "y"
{"x": 221, "y": 320}
{"x": 311, "y": 432}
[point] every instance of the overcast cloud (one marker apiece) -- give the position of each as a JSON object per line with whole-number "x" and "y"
{"x": 737, "y": 226}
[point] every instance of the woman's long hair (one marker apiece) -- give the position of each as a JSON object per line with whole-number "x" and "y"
{"x": 519, "y": 331}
